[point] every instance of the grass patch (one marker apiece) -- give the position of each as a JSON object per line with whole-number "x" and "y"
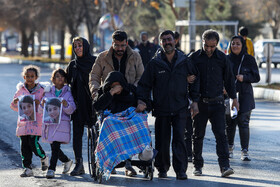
{"x": 275, "y": 86}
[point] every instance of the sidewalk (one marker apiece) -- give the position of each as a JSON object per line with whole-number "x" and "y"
{"x": 267, "y": 94}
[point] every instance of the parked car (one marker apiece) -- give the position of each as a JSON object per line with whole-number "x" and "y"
{"x": 259, "y": 51}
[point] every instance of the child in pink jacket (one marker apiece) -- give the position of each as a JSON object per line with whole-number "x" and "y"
{"x": 58, "y": 133}
{"x": 30, "y": 131}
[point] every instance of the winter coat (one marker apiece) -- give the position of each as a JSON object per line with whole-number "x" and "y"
{"x": 249, "y": 70}
{"x": 147, "y": 52}
{"x": 170, "y": 87}
{"x": 118, "y": 102}
{"x": 29, "y": 127}
{"x": 78, "y": 76}
{"x": 104, "y": 65}
{"x": 60, "y": 132}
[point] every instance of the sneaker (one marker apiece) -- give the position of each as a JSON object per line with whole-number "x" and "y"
{"x": 45, "y": 163}
{"x": 197, "y": 171}
{"x": 67, "y": 166}
{"x": 27, "y": 173}
{"x": 230, "y": 151}
{"x": 50, "y": 174}
{"x": 245, "y": 156}
{"x": 226, "y": 171}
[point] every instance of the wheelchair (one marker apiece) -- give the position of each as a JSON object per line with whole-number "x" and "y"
{"x": 145, "y": 167}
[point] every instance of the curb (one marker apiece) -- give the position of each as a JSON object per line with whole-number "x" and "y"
{"x": 268, "y": 94}
{"x": 28, "y": 62}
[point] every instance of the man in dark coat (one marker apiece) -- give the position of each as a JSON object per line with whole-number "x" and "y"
{"x": 78, "y": 77}
{"x": 166, "y": 76}
{"x": 215, "y": 74}
{"x": 146, "y": 49}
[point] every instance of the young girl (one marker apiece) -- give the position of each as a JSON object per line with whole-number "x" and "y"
{"x": 55, "y": 134}
{"x": 30, "y": 131}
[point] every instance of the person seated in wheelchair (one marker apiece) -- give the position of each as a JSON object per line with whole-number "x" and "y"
{"x": 116, "y": 95}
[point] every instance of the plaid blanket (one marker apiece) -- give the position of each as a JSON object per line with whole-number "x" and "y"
{"x": 121, "y": 136}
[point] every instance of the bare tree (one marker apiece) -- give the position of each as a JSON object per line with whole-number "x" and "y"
{"x": 272, "y": 12}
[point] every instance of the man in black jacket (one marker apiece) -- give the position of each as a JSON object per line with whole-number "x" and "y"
{"x": 166, "y": 76}
{"x": 215, "y": 74}
{"x": 146, "y": 49}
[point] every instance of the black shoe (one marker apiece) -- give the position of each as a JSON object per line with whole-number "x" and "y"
{"x": 197, "y": 172}
{"x": 162, "y": 175}
{"x": 129, "y": 171}
{"x": 226, "y": 171}
{"x": 79, "y": 168}
{"x": 181, "y": 176}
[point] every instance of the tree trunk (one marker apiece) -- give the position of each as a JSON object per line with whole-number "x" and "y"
{"x": 31, "y": 38}
{"x": 50, "y": 42}
{"x": 62, "y": 50}
{"x": 24, "y": 44}
{"x": 1, "y": 42}
{"x": 39, "y": 52}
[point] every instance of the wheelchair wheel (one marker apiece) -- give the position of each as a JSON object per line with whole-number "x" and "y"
{"x": 149, "y": 171}
{"x": 99, "y": 176}
{"x": 91, "y": 156}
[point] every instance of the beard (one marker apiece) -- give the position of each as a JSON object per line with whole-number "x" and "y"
{"x": 119, "y": 52}
{"x": 168, "y": 48}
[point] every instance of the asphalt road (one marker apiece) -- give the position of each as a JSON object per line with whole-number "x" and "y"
{"x": 263, "y": 170}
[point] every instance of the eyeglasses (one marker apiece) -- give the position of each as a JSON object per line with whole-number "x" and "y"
{"x": 119, "y": 46}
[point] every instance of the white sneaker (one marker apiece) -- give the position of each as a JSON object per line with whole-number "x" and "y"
{"x": 67, "y": 166}
{"x": 245, "y": 156}
{"x": 27, "y": 173}
{"x": 50, "y": 174}
{"x": 45, "y": 163}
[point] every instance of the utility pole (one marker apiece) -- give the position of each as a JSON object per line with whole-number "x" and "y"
{"x": 192, "y": 27}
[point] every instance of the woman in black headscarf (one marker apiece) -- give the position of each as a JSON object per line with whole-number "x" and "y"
{"x": 78, "y": 77}
{"x": 246, "y": 72}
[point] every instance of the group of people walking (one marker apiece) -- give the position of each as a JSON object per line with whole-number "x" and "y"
{"x": 182, "y": 91}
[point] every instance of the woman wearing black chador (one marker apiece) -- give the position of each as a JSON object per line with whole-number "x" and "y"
{"x": 78, "y": 76}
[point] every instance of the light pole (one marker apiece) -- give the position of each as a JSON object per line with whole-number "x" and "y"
{"x": 191, "y": 26}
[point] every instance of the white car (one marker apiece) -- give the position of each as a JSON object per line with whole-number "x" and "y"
{"x": 259, "y": 51}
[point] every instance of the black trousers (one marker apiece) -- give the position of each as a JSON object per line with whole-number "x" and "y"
{"x": 215, "y": 113}
{"x": 78, "y": 131}
{"x": 30, "y": 144}
{"x": 188, "y": 133}
{"x": 57, "y": 154}
{"x": 242, "y": 121}
{"x": 163, "y": 126}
